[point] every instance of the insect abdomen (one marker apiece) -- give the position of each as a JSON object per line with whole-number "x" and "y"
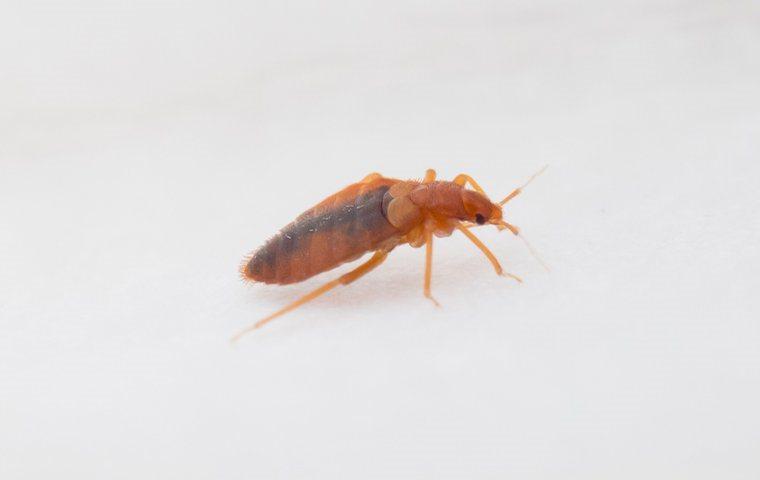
{"x": 321, "y": 240}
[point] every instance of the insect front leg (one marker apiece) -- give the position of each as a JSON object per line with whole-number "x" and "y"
{"x": 491, "y": 257}
{"x": 371, "y": 177}
{"x": 463, "y": 179}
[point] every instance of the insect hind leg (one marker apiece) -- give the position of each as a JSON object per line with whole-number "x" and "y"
{"x": 344, "y": 279}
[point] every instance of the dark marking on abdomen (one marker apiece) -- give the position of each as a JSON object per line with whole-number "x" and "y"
{"x": 315, "y": 243}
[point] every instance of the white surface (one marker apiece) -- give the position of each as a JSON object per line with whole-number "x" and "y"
{"x": 145, "y": 147}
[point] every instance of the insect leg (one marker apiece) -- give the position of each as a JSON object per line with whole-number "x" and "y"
{"x": 429, "y": 265}
{"x": 491, "y": 257}
{"x": 463, "y": 179}
{"x": 372, "y": 176}
{"x": 429, "y": 176}
{"x": 345, "y": 279}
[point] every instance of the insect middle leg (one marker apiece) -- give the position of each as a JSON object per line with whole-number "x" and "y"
{"x": 429, "y": 266}
{"x": 491, "y": 257}
{"x": 345, "y": 279}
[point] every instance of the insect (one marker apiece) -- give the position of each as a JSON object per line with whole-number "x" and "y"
{"x": 375, "y": 215}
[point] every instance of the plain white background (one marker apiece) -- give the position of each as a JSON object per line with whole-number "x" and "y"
{"x": 147, "y": 146}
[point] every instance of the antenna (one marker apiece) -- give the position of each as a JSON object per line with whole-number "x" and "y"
{"x": 519, "y": 189}
{"x": 533, "y": 252}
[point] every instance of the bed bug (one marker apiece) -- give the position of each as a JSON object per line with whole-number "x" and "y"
{"x": 375, "y": 215}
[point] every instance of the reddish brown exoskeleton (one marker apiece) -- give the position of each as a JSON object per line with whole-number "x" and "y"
{"x": 375, "y": 215}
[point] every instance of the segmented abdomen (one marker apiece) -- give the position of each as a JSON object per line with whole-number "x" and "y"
{"x": 339, "y": 229}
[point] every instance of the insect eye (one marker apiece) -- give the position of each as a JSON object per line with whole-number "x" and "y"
{"x": 480, "y": 219}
